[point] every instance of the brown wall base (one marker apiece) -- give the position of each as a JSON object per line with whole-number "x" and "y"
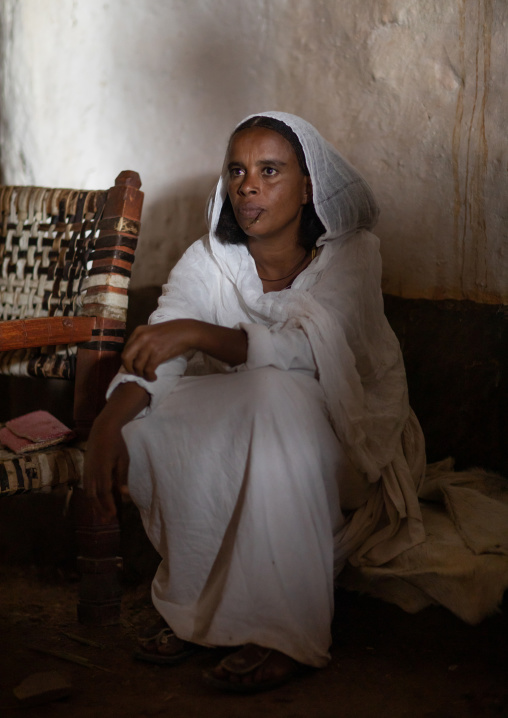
{"x": 456, "y": 356}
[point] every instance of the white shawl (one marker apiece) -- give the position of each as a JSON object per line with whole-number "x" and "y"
{"x": 338, "y": 304}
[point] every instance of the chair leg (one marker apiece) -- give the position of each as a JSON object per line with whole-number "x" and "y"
{"x": 100, "y": 592}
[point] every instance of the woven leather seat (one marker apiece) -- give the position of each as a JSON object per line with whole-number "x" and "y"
{"x": 65, "y": 266}
{"x": 50, "y": 468}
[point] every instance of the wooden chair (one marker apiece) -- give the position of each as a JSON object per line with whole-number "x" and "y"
{"x": 65, "y": 266}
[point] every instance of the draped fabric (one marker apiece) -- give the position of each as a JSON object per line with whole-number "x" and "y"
{"x": 329, "y": 332}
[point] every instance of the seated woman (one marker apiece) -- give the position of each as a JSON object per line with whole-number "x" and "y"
{"x": 293, "y": 449}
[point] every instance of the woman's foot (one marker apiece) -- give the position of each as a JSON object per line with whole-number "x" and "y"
{"x": 252, "y": 669}
{"x": 158, "y": 644}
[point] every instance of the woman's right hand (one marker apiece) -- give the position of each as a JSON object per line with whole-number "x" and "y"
{"x": 107, "y": 458}
{"x": 149, "y": 346}
{"x": 106, "y": 465}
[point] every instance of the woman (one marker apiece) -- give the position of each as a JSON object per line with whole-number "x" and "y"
{"x": 294, "y": 448}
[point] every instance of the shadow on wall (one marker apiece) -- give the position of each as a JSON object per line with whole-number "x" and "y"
{"x": 199, "y": 73}
{"x": 170, "y": 224}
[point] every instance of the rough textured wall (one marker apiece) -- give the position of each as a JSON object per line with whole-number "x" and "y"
{"x": 413, "y": 92}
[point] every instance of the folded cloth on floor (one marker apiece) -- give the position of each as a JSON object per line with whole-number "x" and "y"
{"x": 463, "y": 562}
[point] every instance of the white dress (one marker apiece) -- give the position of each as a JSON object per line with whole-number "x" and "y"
{"x": 256, "y": 484}
{"x": 236, "y": 480}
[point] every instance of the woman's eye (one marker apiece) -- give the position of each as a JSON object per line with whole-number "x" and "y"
{"x": 235, "y": 172}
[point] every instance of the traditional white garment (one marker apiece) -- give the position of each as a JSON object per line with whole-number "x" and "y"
{"x": 255, "y": 484}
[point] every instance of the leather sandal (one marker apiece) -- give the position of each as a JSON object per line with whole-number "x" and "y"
{"x": 157, "y": 645}
{"x": 244, "y": 662}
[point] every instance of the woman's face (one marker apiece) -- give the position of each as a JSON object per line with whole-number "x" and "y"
{"x": 266, "y": 186}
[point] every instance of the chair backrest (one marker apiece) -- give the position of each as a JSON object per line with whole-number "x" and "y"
{"x": 69, "y": 253}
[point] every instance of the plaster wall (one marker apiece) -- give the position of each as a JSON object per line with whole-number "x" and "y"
{"x": 414, "y": 92}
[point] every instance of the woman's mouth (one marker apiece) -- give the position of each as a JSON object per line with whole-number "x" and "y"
{"x": 250, "y": 213}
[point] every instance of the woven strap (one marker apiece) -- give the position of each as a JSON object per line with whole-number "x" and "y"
{"x": 20, "y": 473}
{"x": 46, "y": 238}
{"x": 65, "y": 252}
{"x": 58, "y": 254}
{"x": 50, "y": 362}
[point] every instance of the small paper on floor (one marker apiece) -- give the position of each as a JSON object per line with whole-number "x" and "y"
{"x": 42, "y": 688}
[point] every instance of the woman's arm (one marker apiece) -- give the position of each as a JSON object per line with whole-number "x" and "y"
{"x": 106, "y": 459}
{"x": 150, "y": 346}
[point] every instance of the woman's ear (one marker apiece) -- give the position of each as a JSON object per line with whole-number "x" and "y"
{"x": 307, "y": 193}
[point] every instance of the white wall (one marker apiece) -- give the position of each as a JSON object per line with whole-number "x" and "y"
{"x": 414, "y": 92}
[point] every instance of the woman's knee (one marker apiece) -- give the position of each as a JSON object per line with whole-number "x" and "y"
{"x": 271, "y": 387}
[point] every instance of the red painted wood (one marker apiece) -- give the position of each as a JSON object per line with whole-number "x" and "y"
{"x": 44, "y": 331}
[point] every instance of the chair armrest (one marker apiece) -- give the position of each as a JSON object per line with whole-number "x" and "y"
{"x": 44, "y": 331}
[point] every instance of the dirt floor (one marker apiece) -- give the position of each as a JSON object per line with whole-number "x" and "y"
{"x": 385, "y": 663}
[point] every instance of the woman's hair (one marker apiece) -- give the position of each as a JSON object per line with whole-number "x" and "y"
{"x": 311, "y": 227}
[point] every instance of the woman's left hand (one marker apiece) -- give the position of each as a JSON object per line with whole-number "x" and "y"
{"x": 149, "y": 346}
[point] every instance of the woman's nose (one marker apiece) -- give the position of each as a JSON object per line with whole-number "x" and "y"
{"x": 249, "y": 185}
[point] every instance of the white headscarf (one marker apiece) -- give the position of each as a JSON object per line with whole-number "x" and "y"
{"x": 343, "y": 200}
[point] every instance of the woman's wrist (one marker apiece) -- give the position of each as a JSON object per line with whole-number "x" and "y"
{"x": 223, "y": 343}
{"x": 124, "y": 404}
{"x": 196, "y": 334}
